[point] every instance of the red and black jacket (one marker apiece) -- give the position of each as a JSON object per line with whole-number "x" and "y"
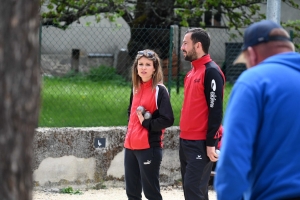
{"x": 150, "y": 132}
{"x": 202, "y": 109}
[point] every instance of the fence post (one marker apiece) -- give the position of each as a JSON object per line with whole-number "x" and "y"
{"x": 75, "y": 60}
{"x": 179, "y": 60}
{"x": 291, "y": 35}
{"x": 170, "y": 59}
{"x": 40, "y": 43}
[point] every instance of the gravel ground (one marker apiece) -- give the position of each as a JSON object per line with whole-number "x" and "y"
{"x": 108, "y": 194}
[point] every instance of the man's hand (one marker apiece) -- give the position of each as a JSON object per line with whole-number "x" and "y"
{"x": 211, "y": 153}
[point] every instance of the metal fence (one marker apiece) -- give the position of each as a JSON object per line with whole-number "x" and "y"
{"x": 86, "y": 70}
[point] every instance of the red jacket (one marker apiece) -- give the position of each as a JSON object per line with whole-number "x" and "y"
{"x": 202, "y": 109}
{"x": 220, "y": 137}
{"x": 150, "y": 133}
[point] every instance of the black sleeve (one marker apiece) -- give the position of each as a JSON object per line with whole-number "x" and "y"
{"x": 130, "y": 103}
{"x": 214, "y": 88}
{"x": 163, "y": 117}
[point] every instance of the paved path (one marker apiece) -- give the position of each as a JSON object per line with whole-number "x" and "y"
{"x": 108, "y": 194}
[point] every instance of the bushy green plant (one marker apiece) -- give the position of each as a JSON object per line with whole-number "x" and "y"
{"x": 177, "y": 81}
{"x": 70, "y": 190}
{"x": 100, "y": 186}
{"x": 96, "y": 74}
{"x": 104, "y": 73}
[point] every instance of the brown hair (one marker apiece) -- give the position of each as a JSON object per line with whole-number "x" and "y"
{"x": 200, "y": 35}
{"x": 157, "y": 77}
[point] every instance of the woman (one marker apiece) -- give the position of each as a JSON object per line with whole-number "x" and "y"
{"x": 143, "y": 142}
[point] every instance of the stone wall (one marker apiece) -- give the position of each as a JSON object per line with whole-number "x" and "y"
{"x": 60, "y": 64}
{"x": 89, "y": 156}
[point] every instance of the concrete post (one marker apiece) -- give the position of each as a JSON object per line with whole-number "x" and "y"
{"x": 75, "y": 60}
{"x": 274, "y": 10}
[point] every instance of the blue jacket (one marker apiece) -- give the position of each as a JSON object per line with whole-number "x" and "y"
{"x": 260, "y": 152}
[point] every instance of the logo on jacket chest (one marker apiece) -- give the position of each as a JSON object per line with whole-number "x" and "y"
{"x": 197, "y": 80}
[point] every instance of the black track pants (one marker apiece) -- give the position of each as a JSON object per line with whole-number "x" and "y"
{"x": 142, "y": 172}
{"x": 195, "y": 169}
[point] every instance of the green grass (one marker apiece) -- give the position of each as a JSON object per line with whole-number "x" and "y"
{"x": 83, "y": 104}
{"x": 88, "y": 101}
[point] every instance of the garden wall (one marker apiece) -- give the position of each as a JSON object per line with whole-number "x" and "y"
{"x": 92, "y": 157}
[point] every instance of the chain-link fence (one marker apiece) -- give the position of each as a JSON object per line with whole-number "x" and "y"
{"x": 86, "y": 70}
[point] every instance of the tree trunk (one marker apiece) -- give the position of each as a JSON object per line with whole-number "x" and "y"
{"x": 19, "y": 95}
{"x": 150, "y": 28}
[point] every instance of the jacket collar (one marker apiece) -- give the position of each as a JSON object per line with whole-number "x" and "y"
{"x": 146, "y": 84}
{"x": 201, "y": 61}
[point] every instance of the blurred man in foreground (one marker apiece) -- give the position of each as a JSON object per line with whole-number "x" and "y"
{"x": 260, "y": 155}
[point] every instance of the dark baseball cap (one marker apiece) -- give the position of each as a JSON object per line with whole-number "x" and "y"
{"x": 257, "y": 33}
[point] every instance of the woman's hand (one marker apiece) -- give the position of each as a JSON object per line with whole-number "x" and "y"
{"x": 140, "y": 116}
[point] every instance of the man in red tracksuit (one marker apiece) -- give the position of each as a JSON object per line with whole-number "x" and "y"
{"x": 201, "y": 115}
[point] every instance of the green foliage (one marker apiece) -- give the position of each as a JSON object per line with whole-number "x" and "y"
{"x": 295, "y": 30}
{"x": 104, "y": 73}
{"x": 291, "y": 2}
{"x": 236, "y": 13}
{"x": 73, "y": 75}
{"x": 175, "y": 82}
{"x": 99, "y": 74}
{"x": 99, "y": 186}
{"x": 62, "y": 13}
{"x": 70, "y": 190}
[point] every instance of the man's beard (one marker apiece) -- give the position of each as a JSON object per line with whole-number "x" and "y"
{"x": 191, "y": 56}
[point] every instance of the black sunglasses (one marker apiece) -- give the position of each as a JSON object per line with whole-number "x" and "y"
{"x": 148, "y": 54}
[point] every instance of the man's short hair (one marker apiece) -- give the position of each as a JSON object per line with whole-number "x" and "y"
{"x": 200, "y": 35}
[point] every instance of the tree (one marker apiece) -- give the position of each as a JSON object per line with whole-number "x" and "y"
{"x": 295, "y": 26}
{"x": 19, "y": 95}
{"x": 237, "y": 13}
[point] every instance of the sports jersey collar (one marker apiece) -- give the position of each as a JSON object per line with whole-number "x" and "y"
{"x": 146, "y": 84}
{"x": 201, "y": 61}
